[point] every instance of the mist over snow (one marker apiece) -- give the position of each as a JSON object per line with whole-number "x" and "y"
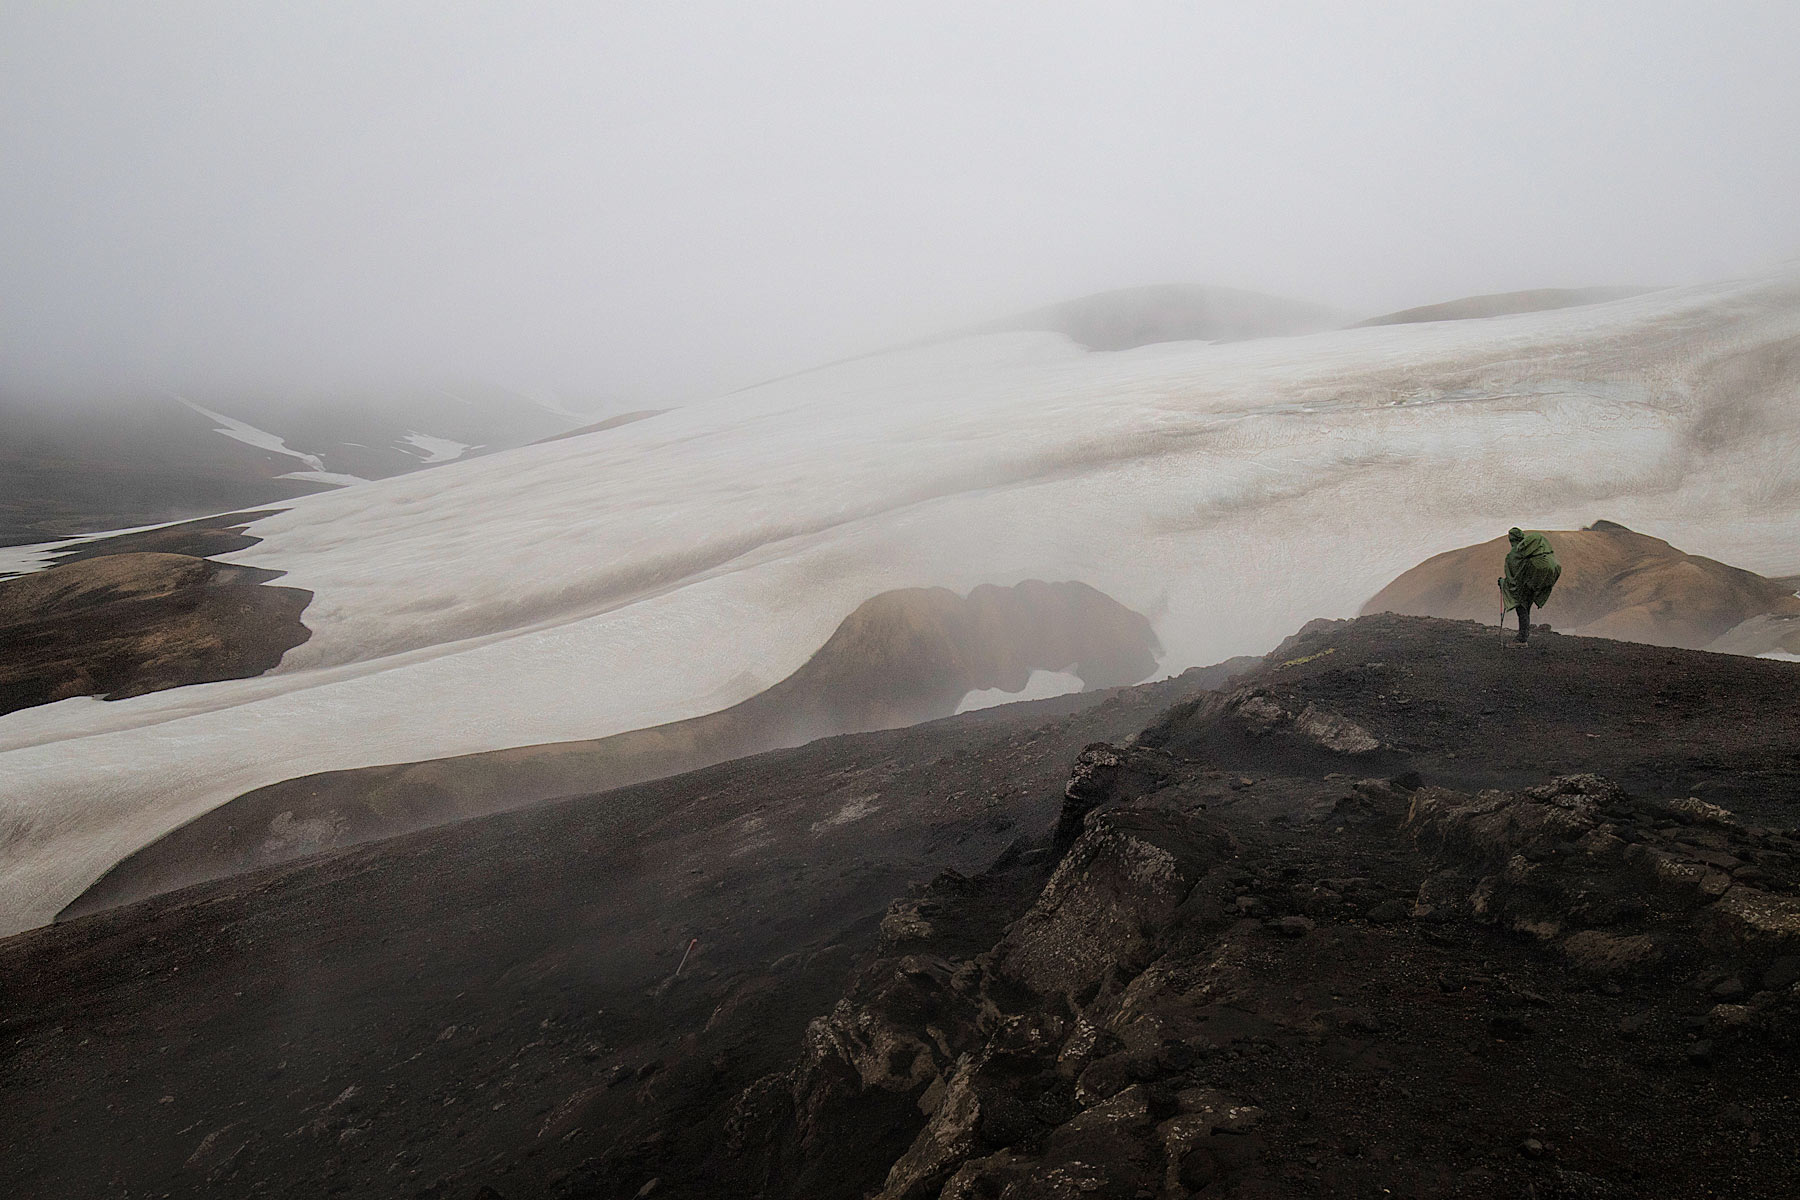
{"x": 627, "y": 206}
{"x": 646, "y": 572}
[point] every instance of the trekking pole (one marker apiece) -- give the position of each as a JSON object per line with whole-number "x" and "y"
{"x": 684, "y": 957}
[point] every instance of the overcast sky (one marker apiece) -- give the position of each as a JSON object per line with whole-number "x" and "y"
{"x": 624, "y": 204}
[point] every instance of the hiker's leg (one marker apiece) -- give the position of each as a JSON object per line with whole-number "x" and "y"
{"x": 1524, "y": 621}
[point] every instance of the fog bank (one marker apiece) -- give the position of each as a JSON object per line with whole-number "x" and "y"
{"x": 616, "y": 206}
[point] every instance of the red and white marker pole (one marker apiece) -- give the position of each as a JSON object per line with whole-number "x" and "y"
{"x": 684, "y": 956}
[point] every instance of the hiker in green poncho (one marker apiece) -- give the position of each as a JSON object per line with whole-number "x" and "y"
{"x": 1531, "y": 571}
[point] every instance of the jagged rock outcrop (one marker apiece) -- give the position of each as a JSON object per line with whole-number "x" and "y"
{"x": 1127, "y": 873}
{"x": 1619, "y": 884}
{"x": 1106, "y": 774}
{"x": 1003, "y": 1093}
{"x": 1034, "y": 1063}
{"x": 1071, "y": 1058}
{"x": 1257, "y": 723}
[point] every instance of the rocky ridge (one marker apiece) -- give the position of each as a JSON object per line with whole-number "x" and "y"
{"x": 1145, "y": 1023}
{"x": 1404, "y": 910}
{"x": 1096, "y": 1048}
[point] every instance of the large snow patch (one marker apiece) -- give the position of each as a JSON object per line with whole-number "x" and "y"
{"x": 616, "y": 580}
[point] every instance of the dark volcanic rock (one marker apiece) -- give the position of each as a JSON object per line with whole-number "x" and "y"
{"x": 1004, "y": 1093}
{"x": 840, "y": 1032}
{"x": 1256, "y": 724}
{"x": 1105, "y": 774}
{"x": 1549, "y": 862}
{"x": 1129, "y": 871}
{"x": 1144, "y": 975}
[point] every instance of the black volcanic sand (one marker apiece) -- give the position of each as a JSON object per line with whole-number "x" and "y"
{"x": 490, "y": 1004}
{"x": 901, "y": 657}
{"x": 255, "y": 1003}
{"x": 124, "y": 624}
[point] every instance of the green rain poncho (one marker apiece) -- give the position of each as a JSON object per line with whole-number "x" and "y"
{"x": 1531, "y": 570}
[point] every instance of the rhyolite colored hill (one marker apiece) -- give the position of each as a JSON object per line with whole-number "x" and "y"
{"x": 1615, "y": 583}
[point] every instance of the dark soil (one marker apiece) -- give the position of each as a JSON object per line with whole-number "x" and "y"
{"x": 493, "y": 1005}
{"x": 543, "y": 936}
{"x": 70, "y": 469}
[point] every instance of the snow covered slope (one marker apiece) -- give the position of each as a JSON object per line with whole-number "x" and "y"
{"x": 664, "y": 568}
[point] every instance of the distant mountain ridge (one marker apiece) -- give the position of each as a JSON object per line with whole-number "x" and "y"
{"x": 1126, "y": 318}
{"x": 79, "y": 469}
{"x": 1501, "y": 304}
{"x": 1140, "y": 316}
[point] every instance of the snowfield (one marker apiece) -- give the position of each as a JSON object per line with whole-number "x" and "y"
{"x": 250, "y": 435}
{"x": 434, "y": 449}
{"x": 670, "y": 566}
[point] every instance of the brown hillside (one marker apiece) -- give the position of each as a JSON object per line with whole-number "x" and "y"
{"x": 125, "y": 624}
{"x": 1615, "y": 583}
{"x": 901, "y": 657}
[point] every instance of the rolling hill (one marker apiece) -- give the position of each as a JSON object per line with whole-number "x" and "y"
{"x": 1615, "y": 583}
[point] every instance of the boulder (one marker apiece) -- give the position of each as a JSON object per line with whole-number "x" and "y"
{"x": 1104, "y": 774}
{"x": 1758, "y": 920}
{"x": 1005, "y": 1093}
{"x": 1127, "y": 873}
{"x": 900, "y": 1028}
